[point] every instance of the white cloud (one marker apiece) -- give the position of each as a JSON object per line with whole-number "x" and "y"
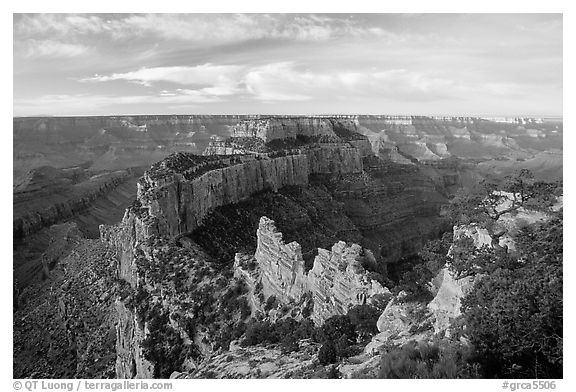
{"x": 33, "y": 25}
{"x": 285, "y": 81}
{"x": 195, "y": 27}
{"x": 221, "y": 76}
{"x": 49, "y": 48}
{"x": 269, "y": 83}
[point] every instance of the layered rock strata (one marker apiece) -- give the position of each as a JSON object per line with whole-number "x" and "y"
{"x": 272, "y": 128}
{"x": 179, "y": 193}
{"x": 41, "y": 205}
{"x": 130, "y": 332}
{"x": 282, "y": 264}
{"x": 337, "y": 281}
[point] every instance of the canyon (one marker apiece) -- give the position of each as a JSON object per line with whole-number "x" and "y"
{"x": 280, "y": 216}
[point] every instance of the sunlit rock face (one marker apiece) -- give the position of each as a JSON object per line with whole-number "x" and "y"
{"x": 181, "y": 192}
{"x": 336, "y": 282}
{"x": 269, "y": 129}
{"x": 130, "y": 332}
{"x": 339, "y": 281}
{"x": 446, "y": 304}
{"x": 281, "y": 264}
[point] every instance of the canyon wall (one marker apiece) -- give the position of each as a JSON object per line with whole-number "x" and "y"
{"x": 272, "y": 128}
{"x": 334, "y": 159}
{"x": 54, "y": 200}
{"x": 130, "y": 360}
{"x": 180, "y": 199}
{"x": 395, "y": 206}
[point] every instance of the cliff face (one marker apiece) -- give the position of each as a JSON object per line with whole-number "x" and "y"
{"x": 334, "y": 159}
{"x": 46, "y": 199}
{"x": 336, "y": 282}
{"x": 179, "y": 200}
{"x": 282, "y": 265}
{"x": 269, "y": 129}
{"x": 130, "y": 333}
{"x": 339, "y": 281}
{"x": 394, "y": 206}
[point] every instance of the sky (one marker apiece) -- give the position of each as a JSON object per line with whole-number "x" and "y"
{"x": 419, "y": 64}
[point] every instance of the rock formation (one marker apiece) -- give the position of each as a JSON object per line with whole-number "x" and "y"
{"x": 182, "y": 190}
{"x": 44, "y": 200}
{"x": 272, "y": 128}
{"x": 450, "y": 290}
{"x": 130, "y": 333}
{"x": 336, "y": 282}
{"x": 282, "y": 265}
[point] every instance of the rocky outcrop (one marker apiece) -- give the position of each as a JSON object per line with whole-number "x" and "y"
{"x": 130, "y": 360}
{"x": 401, "y": 321}
{"x": 258, "y": 362}
{"x": 446, "y": 304}
{"x": 282, "y": 265}
{"x": 449, "y": 289}
{"x": 336, "y": 282}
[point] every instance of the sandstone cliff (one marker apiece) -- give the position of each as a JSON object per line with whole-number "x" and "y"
{"x": 130, "y": 333}
{"x": 336, "y": 282}
{"x": 272, "y": 128}
{"x": 281, "y": 265}
{"x": 180, "y": 192}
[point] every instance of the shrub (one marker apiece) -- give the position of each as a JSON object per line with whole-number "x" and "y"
{"x": 425, "y": 360}
{"x": 270, "y": 303}
{"x": 327, "y": 353}
{"x": 513, "y": 316}
{"x": 364, "y": 318}
{"x": 289, "y": 344}
{"x": 163, "y": 346}
{"x": 334, "y": 328}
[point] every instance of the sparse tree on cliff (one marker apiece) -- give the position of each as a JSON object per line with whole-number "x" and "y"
{"x": 513, "y": 315}
{"x": 494, "y": 200}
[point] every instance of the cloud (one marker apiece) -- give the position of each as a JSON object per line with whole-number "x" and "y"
{"x": 208, "y": 74}
{"x": 281, "y": 80}
{"x": 49, "y": 48}
{"x": 286, "y": 81}
{"x": 200, "y": 28}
